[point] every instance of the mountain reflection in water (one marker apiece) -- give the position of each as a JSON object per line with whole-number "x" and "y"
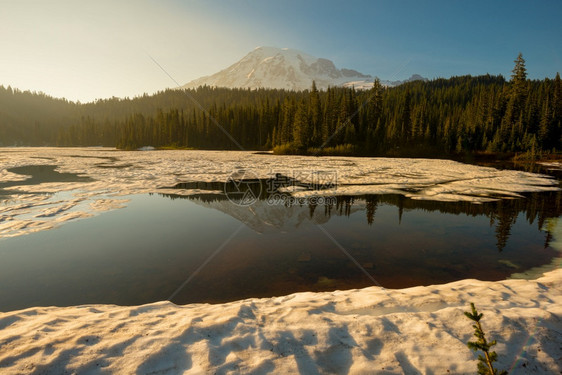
{"x": 502, "y": 214}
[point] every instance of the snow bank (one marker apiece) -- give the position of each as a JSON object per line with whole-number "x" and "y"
{"x": 119, "y": 173}
{"x": 372, "y": 330}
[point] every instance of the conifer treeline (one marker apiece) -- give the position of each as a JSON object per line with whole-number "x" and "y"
{"x": 442, "y": 116}
{"x": 32, "y": 118}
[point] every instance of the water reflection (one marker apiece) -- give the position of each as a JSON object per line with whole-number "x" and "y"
{"x": 263, "y": 216}
{"x": 144, "y": 252}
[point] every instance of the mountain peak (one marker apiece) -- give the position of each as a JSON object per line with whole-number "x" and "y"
{"x": 280, "y": 68}
{"x": 289, "y": 69}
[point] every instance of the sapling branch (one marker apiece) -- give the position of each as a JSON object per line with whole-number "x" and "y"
{"x": 485, "y": 366}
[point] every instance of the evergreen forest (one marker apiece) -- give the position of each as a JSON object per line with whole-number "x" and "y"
{"x": 440, "y": 117}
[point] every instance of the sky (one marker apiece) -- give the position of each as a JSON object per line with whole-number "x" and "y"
{"x": 85, "y": 50}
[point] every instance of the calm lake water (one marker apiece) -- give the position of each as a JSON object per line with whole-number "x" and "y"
{"x": 204, "y": 248}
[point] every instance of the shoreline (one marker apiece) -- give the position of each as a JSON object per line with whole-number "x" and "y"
{"x": 357, "y": 331}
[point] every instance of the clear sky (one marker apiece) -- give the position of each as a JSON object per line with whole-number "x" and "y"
{"x": 83, "y": 50}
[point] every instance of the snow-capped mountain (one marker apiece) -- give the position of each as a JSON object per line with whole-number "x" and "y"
{"x": 284, "y": 68}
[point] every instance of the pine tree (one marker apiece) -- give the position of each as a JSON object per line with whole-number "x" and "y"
{"x": 301, "y": 127}
{"x": 519, "y": 76}
{"x": 315, "y": 114}
{"x": 406, "y": 120}
{"x": 545, "y": 127}
{"x": 286, "y": 133}
{"x": 373, "y": 128}
{"x": 328, "y": 122}
{"x": 518, "y": 91}
{"x": 557, "y": 109}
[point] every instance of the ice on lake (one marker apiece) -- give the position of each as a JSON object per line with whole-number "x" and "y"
{"x": 104, "y": 177}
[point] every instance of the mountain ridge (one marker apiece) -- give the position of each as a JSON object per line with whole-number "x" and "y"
{"x": 289, "y": 69}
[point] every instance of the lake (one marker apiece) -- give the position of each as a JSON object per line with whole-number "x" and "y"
{"x": 206, "y": 247}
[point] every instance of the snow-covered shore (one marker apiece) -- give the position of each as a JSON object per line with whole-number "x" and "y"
{"x": 367, "y": 331}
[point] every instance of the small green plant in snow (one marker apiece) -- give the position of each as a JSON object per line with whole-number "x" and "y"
{"x": 485, "y": 364}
